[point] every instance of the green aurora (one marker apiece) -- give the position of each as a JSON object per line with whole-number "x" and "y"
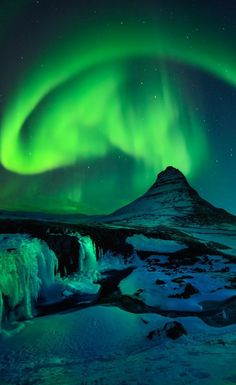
{"x": 82, "y": 100}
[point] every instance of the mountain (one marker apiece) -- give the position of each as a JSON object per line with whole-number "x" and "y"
{"x": 170, "y": 201}
{"x": 171, "y": 210}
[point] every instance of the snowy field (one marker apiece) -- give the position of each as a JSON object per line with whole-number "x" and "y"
{"x": 107, "y": 344}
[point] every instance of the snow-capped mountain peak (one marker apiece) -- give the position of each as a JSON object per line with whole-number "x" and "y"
{"x": 170, "y": 181}
{"x": 170, "y": 174}
{"x": 170, "y": 201}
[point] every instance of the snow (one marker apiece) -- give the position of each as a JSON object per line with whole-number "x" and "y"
{"x": 80, "y": 283}
{"x": 225, "y": 235}
{"x": 211, "y": 285}
{"x": 105, "y": 345}
{"x": 141, "y": 242}
{"x": 101, "y": 345}
{"x": 169, "y": 198}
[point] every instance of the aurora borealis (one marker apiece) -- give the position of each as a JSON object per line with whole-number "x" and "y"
{"x": 98, "y": 99}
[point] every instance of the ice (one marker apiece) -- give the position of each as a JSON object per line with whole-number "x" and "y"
{"x": 27, "y": 266}
{"x": 110, "y": 261}
{"x": 88, "y": 259}
{"x": 88, "y": 265}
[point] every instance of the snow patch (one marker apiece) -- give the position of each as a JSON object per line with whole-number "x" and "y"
{"x": 141, "y": 242}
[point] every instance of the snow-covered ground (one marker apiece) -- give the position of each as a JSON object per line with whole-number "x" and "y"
{"x": 224, "y": 236}
{"x": 157, "y": 284}
{"x": 105, "y": 345}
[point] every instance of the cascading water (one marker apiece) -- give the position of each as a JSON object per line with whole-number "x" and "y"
{"x": 84, "y": 280}
{"x": 88, "y": 265}
{"x": 88, "y": 259}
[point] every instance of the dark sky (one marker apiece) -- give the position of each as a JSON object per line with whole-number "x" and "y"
{"x": 96, "y": 98}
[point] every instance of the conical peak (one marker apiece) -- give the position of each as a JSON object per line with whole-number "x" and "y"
{"x": 170, "y": 178}
{"x": 170, "y": 172}
{"x": 171, "y": 200}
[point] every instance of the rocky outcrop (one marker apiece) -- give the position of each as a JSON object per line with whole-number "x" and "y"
{"x": 174, "y": 330}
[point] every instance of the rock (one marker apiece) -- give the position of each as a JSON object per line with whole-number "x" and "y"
{"x": 189, "y": 291}
{"x": 178, "y": 280}
{"x": 174, "y": 330}
{"x": 181, "y": 279}
{"x": 153, "y": 333}
{"x": 232, "y": 281}
{"x": 138, "y": 292}
{"x": 225, "y": 269}
{"x": 171, "y": 330}
{"x": 160, "y": 282}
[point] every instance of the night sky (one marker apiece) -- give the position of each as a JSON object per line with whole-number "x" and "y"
{"x": 97, "y": 97}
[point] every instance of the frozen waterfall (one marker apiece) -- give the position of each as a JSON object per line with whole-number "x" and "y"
{"x": 88, "y": 265}
{"x": 27, "y": 271}
{"x": 88, "y": 259}
{"x": 27, "y": 266}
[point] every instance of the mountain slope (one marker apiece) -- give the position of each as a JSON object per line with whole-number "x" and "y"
{"x": 170, "y": 201}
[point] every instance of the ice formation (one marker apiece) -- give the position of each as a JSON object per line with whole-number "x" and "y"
{"x": 27, "y": 266}
{"x": 88, "y": 265}
{"x": 88, "y": 259}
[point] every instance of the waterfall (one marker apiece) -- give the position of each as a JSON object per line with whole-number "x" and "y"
{"x": 88, "y": 265}
{"x": 88, "y": 259}
{"x": 27, "y": 271}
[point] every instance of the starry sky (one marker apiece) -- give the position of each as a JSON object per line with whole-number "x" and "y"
{"x": 98, "y": 97}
